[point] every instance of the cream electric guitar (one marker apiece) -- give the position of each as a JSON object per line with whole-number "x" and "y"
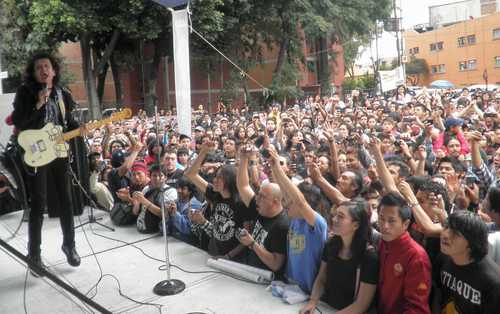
{"x": 48, "y": 143}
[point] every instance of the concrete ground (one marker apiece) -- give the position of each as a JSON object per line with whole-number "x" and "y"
{"x": 136, "y": 273}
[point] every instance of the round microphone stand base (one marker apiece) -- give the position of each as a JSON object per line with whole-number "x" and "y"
{"x": 169, "y": 287}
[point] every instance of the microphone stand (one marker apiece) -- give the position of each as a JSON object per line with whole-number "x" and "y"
{"x": 168, "y": 286}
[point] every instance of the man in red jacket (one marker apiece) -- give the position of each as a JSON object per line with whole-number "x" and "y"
{"x": 405, "y": 270}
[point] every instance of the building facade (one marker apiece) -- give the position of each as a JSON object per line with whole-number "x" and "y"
{"x": 465, "y": 53}
{"x": 206, "y": 86}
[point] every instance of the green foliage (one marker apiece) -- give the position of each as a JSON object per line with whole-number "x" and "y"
{"x": 284, "y": 85}
{"x": 417, "y": 66}
{"x": 365, "y": 82}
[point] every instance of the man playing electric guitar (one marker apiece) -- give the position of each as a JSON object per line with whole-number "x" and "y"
{"x": 38, "y": 101}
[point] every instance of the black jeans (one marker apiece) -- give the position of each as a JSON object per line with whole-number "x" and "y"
{"x": 58, "y": 171}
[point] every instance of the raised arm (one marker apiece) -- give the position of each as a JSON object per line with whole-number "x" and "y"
{"x": 334, "y": 165}
{"x": 384, "y": 174}
{"x": 192, "y": 173}
{"x": 333, "y": 194}
{"x": 421, "y": 154}
{"x": 129, "y": 160}
{"x": 423, "y": 220}
{"x": 242, "y": 181}
{"x": 290, "y": 190}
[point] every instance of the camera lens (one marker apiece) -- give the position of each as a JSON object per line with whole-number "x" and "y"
{"x": 2, "y": 184}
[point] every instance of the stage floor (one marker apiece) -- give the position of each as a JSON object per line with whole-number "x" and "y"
{"x": 137, "y": 274}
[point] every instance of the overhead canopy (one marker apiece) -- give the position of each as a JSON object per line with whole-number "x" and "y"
{"x": 442, "y": 84}
{"x": 172, "y": 3}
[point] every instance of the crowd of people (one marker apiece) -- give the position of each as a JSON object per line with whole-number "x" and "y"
{"x": 372, "y": 204}
{"x": 386, "y": 204}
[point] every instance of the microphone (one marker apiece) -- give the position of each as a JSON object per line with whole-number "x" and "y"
{"x": 45, "y": 89}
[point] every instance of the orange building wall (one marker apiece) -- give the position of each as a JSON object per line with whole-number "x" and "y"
{"x": 484, "y": 51}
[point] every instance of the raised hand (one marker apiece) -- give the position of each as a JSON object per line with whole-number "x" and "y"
{"x": 421, "y": 153}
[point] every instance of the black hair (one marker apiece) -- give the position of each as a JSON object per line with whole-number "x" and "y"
{"x": 184, "y": 182}
{"x": 312, "y": 194}
{"x": 473, "y": 229}
{"x": 157, "y": 168}
{"x": 455, "y": 163}
{"x": 228, "y": 174}
{"x": 394, "y": 199}
{"x": 404, "y": 170}
{"x": 29, "y": 73}
{"x": 361, "y": 238}
{"x": 494, "y": 199}
{"x": 154, "y": 143}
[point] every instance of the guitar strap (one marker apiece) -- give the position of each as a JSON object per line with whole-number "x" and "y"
{"x": 60, "y": 102}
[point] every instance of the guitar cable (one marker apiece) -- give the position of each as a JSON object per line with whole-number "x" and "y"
{"x": 77, "y": 182}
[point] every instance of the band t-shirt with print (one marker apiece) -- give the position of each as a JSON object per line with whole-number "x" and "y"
{"x": 470, "y": 289}
{"x": 270, "y": 233}
{"x": 227, "y": 217}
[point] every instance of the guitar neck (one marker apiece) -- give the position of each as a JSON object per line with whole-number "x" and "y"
{"x": 90, "y": 126}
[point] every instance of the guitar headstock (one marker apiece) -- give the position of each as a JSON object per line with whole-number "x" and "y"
{"x": 125, "y": 113}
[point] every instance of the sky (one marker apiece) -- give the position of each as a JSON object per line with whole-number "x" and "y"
{"x": 414, "y": 12}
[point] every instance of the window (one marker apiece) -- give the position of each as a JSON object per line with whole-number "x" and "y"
{"x": 467, "y": 65}
{"x": 461, "y": 41}
{"x": 414, "y": 51}
{"x": 435, "y": 69}
{"x": 497, "y": 62}
{"x": 471, "y": 39}
{"x": 436, "y": 46}
{"x": 496, "y": 33}
{"x": 472, "y": 64}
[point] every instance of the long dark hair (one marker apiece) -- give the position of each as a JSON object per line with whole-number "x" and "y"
{"x": 29, "y": 73}
{"x": 361, "y": 239}
{"x": 228, "y": 174}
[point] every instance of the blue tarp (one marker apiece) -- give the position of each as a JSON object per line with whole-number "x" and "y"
{"x": 171, "y": 3}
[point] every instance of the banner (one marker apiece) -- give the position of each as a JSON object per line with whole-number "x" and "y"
{"x": 182, "y": 71}
{"x": 391, "y": 79}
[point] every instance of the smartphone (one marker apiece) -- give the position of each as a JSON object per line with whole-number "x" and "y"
{"x": 265, "y": 153}
{"x": 469, "y": 181}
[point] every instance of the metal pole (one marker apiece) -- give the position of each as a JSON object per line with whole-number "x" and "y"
{"x": 397, "y": 32}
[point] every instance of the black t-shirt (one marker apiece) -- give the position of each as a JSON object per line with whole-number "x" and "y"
{"x": 341, "y": 277}
{"x": 470, "y": 289}
{"x": 227, "y": 217}
{"x": 117, "y": 182}
{"x": 171, "y": 178}
{"x": 269, "y": 232}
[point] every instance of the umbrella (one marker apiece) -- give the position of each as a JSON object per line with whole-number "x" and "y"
{"x": 442, "y": 84}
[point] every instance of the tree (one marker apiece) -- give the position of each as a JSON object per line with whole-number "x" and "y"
{"x": 351, "y": 49}
{"x": 415, "y": 69}
{"x": 338, "y": 21}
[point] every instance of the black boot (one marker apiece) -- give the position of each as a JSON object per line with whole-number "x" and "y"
{"x": 37, "y": 264}
{"x": 71, "y": 255}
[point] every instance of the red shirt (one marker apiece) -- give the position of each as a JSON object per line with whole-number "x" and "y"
{"x": 404, "y": 278}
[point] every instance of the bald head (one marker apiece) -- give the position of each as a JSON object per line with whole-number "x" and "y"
{"x": 272, "y": 189}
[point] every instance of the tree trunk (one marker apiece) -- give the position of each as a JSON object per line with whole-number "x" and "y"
{"x": 152, "y": 77}
{"x": 324, "y": 66}
{"x": 115, "y": 70}
{"x": 101, "y": 82}
{"x": 88, "y": 77}
{"x": 285, "y": 43}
